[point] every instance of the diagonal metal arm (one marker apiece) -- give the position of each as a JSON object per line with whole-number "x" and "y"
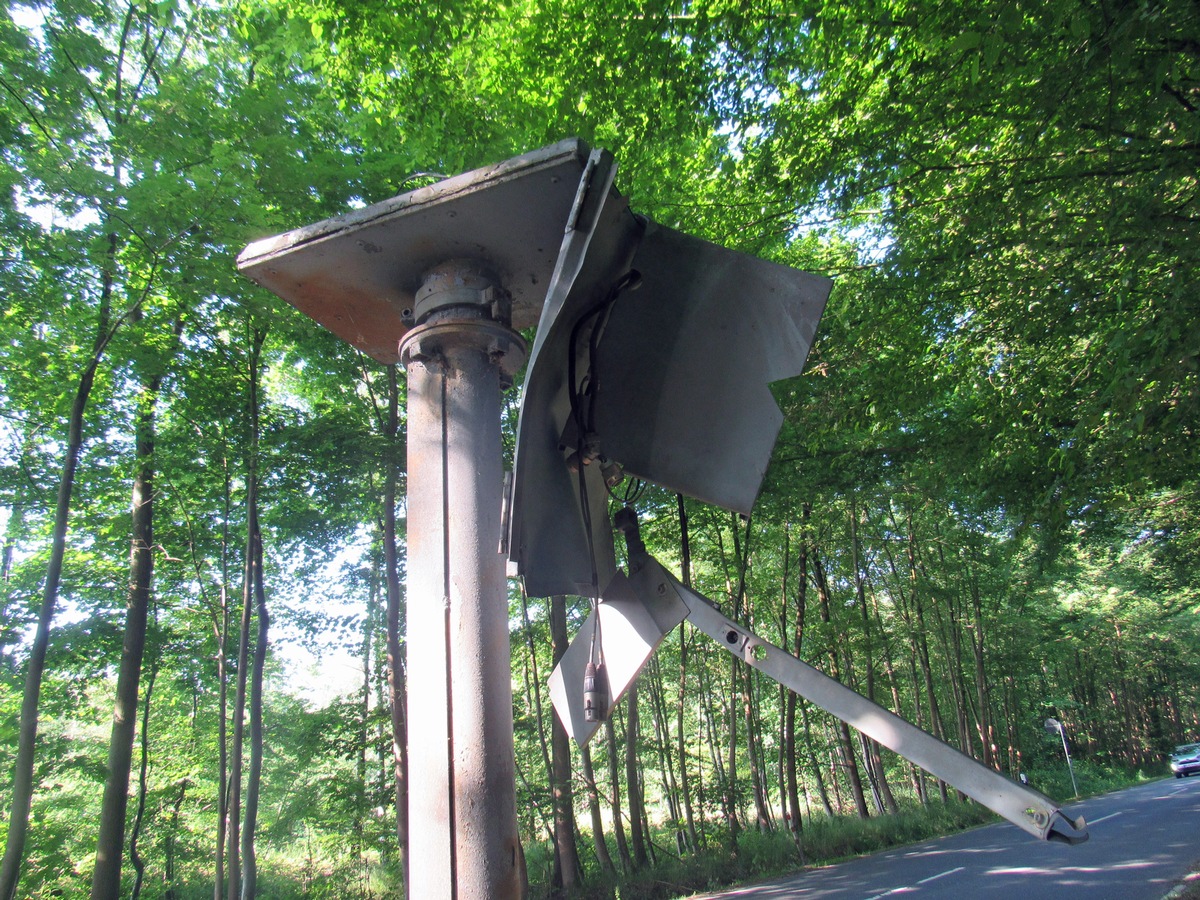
{"x": 1023, "y": 806}
{"x": 640, "y": 610}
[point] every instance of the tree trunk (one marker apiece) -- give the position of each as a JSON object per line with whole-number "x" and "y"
{"x": 255, "y": 590}
{"x": 169, "y": 843}
{"x": 815, "y": 763}
{"x": 615, "y": 784}
{"x": 248, "y": 601}
{"x": 795, "y": 823}
{"x": 22, "y": 783}
{"x": 728, "y": 804}
{"x": 987, "y": 736}
{"x": 106, "y": 878}
{"x": 593, "y": 797}
{"x": 694, "y": 837}
{"x": 397, "y": 700}
{"x": 884, "y": 799}
{"x": 565, "y": 850}
{"x": 845, "y": 743}
{"x": 662, "y": 744}
{"x": 254, "y": 776}
{"x": 222, "y": 628}
{"x": 757, "y": 779}
{"x": 922, "y": 630}
{"x": 686, "y": 572}
{"x": 633, "y": 783}
{"x": 16, "y": 521}
{"x": 139, "y": 864}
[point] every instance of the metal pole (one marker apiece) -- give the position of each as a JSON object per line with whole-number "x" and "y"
{"x": 1062, "y": 733}
{"x": 1055, "y": 725}
{"x": 463, "y": 841}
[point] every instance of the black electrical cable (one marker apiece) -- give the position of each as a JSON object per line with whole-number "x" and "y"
{"x": 585, "y": 426}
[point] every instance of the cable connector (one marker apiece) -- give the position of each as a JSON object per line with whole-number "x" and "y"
{"x": 595, "y": 693}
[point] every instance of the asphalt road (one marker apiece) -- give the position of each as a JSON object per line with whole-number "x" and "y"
{"x": 1143, "y": 841}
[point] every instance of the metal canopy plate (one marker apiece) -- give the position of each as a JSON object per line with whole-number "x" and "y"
{"x": 356, "y": 274}
{"x": 676, "y": 372}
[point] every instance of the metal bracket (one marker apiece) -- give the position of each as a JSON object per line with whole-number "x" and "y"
{"x": 653, "y": 588}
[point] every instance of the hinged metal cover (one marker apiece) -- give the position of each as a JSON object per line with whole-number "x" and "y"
{"x": 634, "y": 619}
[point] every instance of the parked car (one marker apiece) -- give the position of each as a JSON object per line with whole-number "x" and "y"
{"x": 1185, "y": 760}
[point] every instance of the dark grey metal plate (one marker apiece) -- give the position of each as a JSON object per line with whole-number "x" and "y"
{"x": 356, "y": 273}
{"x": 686, "y": 360}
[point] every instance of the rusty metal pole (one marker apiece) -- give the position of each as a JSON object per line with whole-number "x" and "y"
{"x": 459, "y": 356}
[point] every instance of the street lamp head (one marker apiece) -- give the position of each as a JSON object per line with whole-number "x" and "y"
{"x": 359, "y": 274}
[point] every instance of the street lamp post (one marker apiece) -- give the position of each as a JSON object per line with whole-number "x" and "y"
{"x": 1053, "y": 725}
{"x": 439, "y": 279}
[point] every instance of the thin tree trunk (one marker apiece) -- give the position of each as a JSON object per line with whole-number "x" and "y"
{"x": 139, "y": 864}
{"x": 106, "y": 878}
{"x": 364, "y": 710}
{"x": 662, "y": 747}
{"x": 615, "y": 785}
{"x": 686, "y": 572}
{"x": 248, "y": 601}
{"x": 16, "y": 522}
{"x": 845, "y": 743}
{"x": 222, "y": 628}
{"x": 935, "y": 715}
{"x": 593, "y": 797}
{"x": 790, "y": 698}
{"x": 397, "y": 695}
{"x": 728, "y": 806}
{"x": 533, "y": 682}
{"x": 813, "y": 761}
{"x": 169, "y": 843}
{"x": 254, "y": 776}
{"x": 757, "y": 781}
{"x": 565, "y": 849}
{"x": 234, "y": 805}
{"x": 987, "y": 735}
{"x": 22, "y": 781}
{"x": 255, "y": 589}
{"x": 884, "y": 799}
{"x": 633, "y": 784}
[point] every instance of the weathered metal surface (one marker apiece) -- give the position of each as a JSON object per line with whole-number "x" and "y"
{"x": 463, "y": 838}
{"x": 549, "y": 538}
{"x": 357, "y": 274}
{"x": 675, "y": 341}
{"x": 632, "y": 624}
{"x": 686, "y": 361}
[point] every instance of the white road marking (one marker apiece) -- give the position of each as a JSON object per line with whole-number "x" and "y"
{"x": 906, "y": 888}
{"x": 1104, "y": 818}
{"x": 942, "y": 875}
